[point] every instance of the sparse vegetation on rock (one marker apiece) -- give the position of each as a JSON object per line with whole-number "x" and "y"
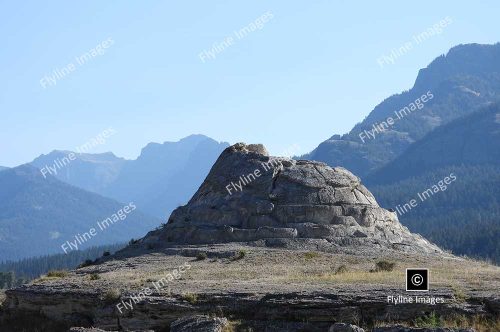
{"x": 190, "y": 297}
{"x": 57, "y": 274}
{"x": 384, "y": 265}
{"x": 111, "y": 296}
{"x": 201, "y": 256}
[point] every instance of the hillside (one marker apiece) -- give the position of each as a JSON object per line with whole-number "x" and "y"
{"x": 160, "y": 179}
{"x": 453, "y": 85}
{"x": 463, "y": 218}
{"x": 471, "y": 140}
{"x": 38, "y": 215}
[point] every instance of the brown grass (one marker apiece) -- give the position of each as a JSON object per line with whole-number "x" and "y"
{"x": 477, "y": 323}
{"x": 190, "y": 297}
{"x": 57, "y": 274}
{"x": 2, "y": 297}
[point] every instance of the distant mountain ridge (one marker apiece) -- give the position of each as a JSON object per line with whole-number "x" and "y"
{"x": 471, "y": 140}
{"x": 161, "y": 178}
{"x": 92, "y": 172}
{"x": 37, "y": 215}
{"x": 461, "y": 81}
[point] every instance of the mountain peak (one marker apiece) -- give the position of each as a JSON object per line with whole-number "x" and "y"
{"x": 452, "y": 86}
{"x": 461, "y": 60}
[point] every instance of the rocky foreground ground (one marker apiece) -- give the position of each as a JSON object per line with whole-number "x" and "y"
{"x": 255, "y": 289}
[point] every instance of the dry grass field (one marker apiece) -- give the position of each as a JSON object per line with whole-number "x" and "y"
{"x": 278, "y": 269}
{"x": 222, "y": 270}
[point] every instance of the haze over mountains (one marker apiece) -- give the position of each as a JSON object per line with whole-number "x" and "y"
{"x": 45, "y": 212}
{"x": 92, "y": 172}
{"x": 161, "y": 178}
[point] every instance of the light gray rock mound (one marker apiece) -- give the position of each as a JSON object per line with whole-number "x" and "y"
{"x": 250, "y": 196}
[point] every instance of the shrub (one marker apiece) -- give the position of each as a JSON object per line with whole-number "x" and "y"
{"x": 106, "y": 253}
{"x": 429, "y": 321}
{"x": 459, "y": 294}
{"x": 132, "y": 241}
{"x": 384, "y": 266}
{"x": 311, "y": 255}
{"x": 201, "y": 256}
{"x": 57, "y": 274}
{"x": 87, "y": 262}
{"x": 341, "y": 269}
{"x": 112, "y": 295}
{"x": 240, "y": 255}
{"x": 95, "y": 276}
{"x": 190, "y": 297}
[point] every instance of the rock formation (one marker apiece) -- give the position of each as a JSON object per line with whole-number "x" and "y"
{"x": 249, "y": 196}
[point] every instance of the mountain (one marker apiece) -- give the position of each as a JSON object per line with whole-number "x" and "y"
{"x": 161, "y": 178}
{"x": 2, "y": 168}
{"x": 92, "y": 172}
{"x": 165, "y": 176}
{"x": 462, "y": 216}
{"x": 38, "y": 215}
{"x": 453, "y": 85}
{"x": 471, "y": 140}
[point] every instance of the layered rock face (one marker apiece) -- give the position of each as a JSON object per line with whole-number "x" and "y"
{"x": 251, "y": 196}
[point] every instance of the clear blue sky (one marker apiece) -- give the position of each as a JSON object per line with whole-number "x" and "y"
{"x": 309, "y": 73}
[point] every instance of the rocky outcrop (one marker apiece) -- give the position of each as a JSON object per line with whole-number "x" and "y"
{"x": 251, "y": 196}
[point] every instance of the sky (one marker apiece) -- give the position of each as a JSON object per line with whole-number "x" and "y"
{"x": 156, "y": 71}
